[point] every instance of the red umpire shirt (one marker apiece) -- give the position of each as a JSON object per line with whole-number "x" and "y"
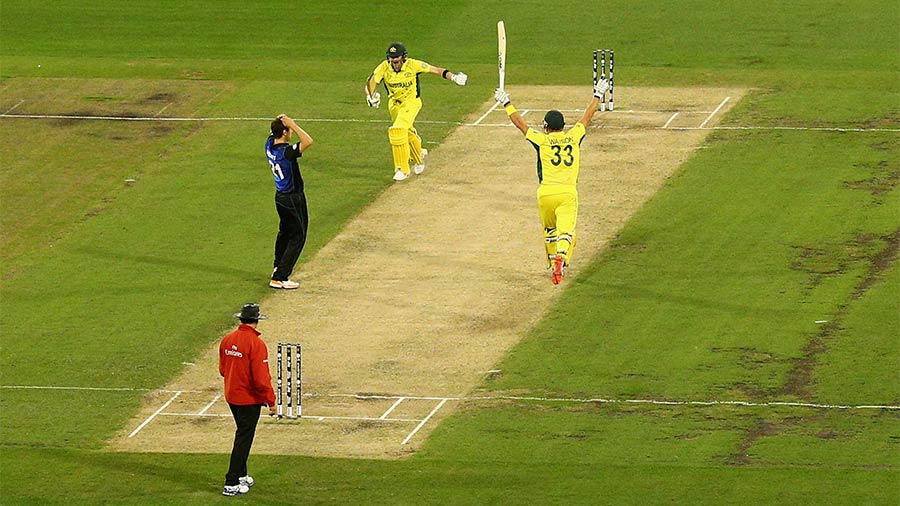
{"x": 244, "y": 363}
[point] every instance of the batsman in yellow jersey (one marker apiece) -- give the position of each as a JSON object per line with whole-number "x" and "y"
{"x": 400, "y": 76}
{"x": 558, "y": 162}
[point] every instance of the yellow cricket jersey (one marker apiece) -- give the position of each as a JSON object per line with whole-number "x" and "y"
{"x": 404, "y": 84}
{"x": 558, "y": 154}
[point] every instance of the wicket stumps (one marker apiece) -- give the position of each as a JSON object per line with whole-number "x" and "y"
{"x": 602, "y": 54}
{"x": 288, "y": 354}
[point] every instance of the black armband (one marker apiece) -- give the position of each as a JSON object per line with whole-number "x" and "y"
{"x": 444, "y": 74}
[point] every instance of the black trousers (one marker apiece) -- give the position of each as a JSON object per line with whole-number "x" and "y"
{"x": 293, "y": 223}
{"x": 245, "y": 418}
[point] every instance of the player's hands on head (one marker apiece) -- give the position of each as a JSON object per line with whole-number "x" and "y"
{"x": 501, "y": 96}
{"x": 286, "y": 121}
{"x": 460, "y": 78}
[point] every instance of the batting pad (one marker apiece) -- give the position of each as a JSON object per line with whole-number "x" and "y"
{"x": 415, "y": 146}
{"x": 399, "y": 137}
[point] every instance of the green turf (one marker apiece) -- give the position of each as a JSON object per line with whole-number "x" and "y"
{"x": 164, "y": 479}
{"x": 732, "y": 280}
{"x": 712, "y": 291}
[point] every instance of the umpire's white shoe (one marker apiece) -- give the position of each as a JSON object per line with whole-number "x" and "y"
{"x": 400, "y": 175}
{"x": 246, "y": 480}
{"x": 420, "y": 167}
{"x": 239, "y": 489}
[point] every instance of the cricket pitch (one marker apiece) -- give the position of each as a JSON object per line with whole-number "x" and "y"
{"x": 413, "y": 304}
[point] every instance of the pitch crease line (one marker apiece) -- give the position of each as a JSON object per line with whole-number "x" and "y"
{"x": 714, "y": 112}
{"x": 157, "y": 412}
{"x": 386, "y": 413}
{"x": 424, "y": 421}
{"x": 486, "y": 114}
{"x": 215, "y": 400}
{"x": 161, "y": 110}
{"x": 670, "y": 120}
{"x": 265, "y": 419}
{"x": 13, "y": 107}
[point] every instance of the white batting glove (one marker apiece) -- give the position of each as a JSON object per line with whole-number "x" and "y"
{"x": 374, "y": 100}
{"x": 600, "y": 88}
{"x": 460, "y": 78}
{"x": 501, "y": 96}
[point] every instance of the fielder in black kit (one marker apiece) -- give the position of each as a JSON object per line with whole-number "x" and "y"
{"x": 290, "y": 200}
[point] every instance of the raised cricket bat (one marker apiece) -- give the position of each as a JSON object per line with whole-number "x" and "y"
{"x": 501, "y": 52}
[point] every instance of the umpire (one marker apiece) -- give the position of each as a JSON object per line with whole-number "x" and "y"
{"x": 244, "y": 363}
{"x": 290, "y": 200}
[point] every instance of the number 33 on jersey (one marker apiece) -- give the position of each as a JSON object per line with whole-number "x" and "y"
{"x": 559, "y": 154}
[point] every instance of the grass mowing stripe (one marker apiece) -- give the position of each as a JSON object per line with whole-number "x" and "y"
{"x": 776, "y": 35}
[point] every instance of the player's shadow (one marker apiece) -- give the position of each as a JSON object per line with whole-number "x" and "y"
{"x": 171, "y": 263}
{"x": 170, "y": 474}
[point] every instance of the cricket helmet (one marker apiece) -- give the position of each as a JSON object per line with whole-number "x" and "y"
{"x": 396, "y": 49}
{"x": 554, "y": 120}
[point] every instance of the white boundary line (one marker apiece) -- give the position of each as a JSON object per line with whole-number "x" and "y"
{"x": 94, "y": 389}
{"x": 424, "y": 421}
{"x": 600, "y": 400}
{"x": 801, "y": 129}
{"x": 478, "y": 122}
{"x": 158, "y": 411}
{"x": 721, "y": 105}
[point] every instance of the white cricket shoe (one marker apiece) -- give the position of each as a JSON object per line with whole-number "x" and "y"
{"x": 400, "y": 175}
{"x": 420, "y": 167}
{"x": 284, "y": 285}
{"x": 239, "y": 489}
{"x": 246, "y": 480}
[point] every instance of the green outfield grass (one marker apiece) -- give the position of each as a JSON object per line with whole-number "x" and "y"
{"x": 126, "y": 245}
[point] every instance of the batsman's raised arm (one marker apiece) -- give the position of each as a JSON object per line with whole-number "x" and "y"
{"x": 589, "y": 112}
{"x": 599, "y": 89}
{"x": 459, "y": 78}
{"x": 502, "y": 98}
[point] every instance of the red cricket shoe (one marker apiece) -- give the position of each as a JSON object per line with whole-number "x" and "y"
{"x": 558, "y": 268}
